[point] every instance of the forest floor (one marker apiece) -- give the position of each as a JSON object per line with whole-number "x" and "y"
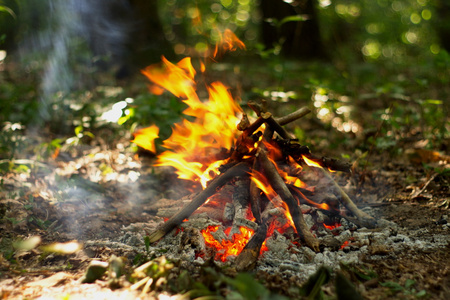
{"x": 58, "y": 215}
{"x": 92, "y": 212}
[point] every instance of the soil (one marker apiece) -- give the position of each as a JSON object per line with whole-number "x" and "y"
{"x": 89, "y": 194}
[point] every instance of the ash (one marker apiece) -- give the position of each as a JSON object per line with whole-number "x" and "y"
{"x": 285, "y": 256}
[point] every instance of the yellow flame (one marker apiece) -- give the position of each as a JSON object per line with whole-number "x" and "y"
{"x": 145, "y": 138}
{"x": 311, "y": 163}
{"x": 228, "y": 42}
{"x": 194, "y": 145}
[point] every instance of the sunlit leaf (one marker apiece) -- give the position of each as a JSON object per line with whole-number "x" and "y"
{"x": 27, "y": 244}
{"x": 62, "y": 248}
{"x": 7, "y": 10}
{"x": 295, "y": 18}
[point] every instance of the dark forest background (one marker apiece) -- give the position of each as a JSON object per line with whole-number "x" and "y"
{"x": 375, "y": 70}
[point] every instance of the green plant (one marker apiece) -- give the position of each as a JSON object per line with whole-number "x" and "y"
{"x": 80, "y": 133}
{"x": 406, "y": 289}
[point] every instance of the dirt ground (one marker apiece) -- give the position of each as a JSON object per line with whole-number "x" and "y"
{"x": 91, "y": 194}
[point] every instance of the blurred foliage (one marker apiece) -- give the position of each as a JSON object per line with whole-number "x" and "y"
{"x": 387, "y": 80}
{"x": 192, "y": 26}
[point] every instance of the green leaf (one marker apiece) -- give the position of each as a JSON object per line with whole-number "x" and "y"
{"x": 422, "y": 293}
{"x": 345, "y": 289}
{"x": 248, "y": 287}
{"x": 78, "y": 131}
{"x": 434, "y": 101}
{"x": 394, "y": 286}
{"x": 409, "y": 283}
{"x": 295, "y": 18}
{"x": 313, "y": 286}
{"x": 7, "y": 10}
{"x": 147, "y": 243}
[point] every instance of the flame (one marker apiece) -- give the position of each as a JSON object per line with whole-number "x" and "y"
{"x": 261, "y": 182}
{"x": 145, "y": 138}
{"x": 226, "y": 248}
{"x": 228, "y": 42}
{"x": 193, "y": 145}
{"x": 311, "y": 163}
{"x": 177, "y": 79}
{"x": 266, "y": 188}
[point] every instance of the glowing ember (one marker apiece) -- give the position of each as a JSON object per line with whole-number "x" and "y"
{"x": 331, "y": 227}
{"x": 344, "y": 244}
{"x": 226, "y": 248}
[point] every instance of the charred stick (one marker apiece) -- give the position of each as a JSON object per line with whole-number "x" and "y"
{"x": 246, "y": 260}
{"x": 363, "y": 219}
{"x": 240, "y": 202}
{"x": 255, "y": 196}
{"x": 293, "y": 116}
{"x": 270, "y": 120}
{"x": 258, "y": 108}
{"x": 282, "y": 190}
{"x": 332, "y": 163}
{"x": 247, "y": 139}
{"x": 244, "y": 123}
{"x": 237, "y": 170}
{"x": 254, "y": 126}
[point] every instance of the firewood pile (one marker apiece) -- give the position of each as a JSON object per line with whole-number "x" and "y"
{"x": 264, "y": 168}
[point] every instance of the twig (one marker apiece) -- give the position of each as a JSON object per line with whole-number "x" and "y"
{"x": 269, "y": 119}
{"x": 293, "y": 116}
{"x": 364, "y": 219}
{"x": 246, "y": 260}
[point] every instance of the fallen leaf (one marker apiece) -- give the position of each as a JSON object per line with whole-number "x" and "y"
{"x": 54, "y": 280}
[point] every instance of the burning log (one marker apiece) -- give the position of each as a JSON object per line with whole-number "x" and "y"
{"x": 255, "y": 196}
{"x": 246, "y": 260}
{"x": 282, "y": 190}
{"x": 240, "y": 202}
{"x": 237, "y": 170}
{"x": 249, "y": 255}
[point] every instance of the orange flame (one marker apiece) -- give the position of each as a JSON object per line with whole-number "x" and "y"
{"x": 266, "y": 188}
{"x": 193, "y": 144}
{"x": 226, "y": 248}
{"x": 145, "y": 138}
{"x": 262, "y": 183}
{"x": 228, "y": 42}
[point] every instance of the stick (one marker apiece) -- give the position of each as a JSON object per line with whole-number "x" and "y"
{"x": 293, "y": 116}
{"x": 282, "y": 190}
{"x": 269, "y": 119}
{"x": 255, "y": 196}
{"x": 246, "y": 260}
{"x": 364, "y": 219}
{"x": 237, "y": 170}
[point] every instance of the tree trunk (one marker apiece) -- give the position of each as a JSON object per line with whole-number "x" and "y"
{"x": 147, "y": 42}
{"x": 300, "y": 39}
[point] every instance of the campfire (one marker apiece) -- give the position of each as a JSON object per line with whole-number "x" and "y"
{"x": 255, "y": 177}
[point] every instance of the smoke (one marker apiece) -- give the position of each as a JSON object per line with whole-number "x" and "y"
{"x": 73, "y": 38}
